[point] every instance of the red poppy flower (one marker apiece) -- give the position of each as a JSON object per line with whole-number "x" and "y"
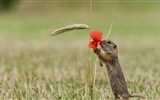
{"x": 96, "y": 37}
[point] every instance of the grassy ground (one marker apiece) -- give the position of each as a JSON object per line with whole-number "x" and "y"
{"x": 34, "y": 65}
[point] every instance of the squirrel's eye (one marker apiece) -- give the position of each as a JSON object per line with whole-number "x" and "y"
{"x": 109, "y": 42}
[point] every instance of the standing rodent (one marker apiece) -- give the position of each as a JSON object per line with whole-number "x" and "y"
{"x": 109, "y": 55}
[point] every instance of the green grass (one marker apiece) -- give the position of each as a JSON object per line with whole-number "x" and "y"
{"x": 34, "y": 65}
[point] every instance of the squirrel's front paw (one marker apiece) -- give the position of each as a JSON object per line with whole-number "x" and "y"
{"x": 97, "y": 51}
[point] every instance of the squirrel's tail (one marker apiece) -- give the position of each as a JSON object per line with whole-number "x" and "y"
{"x": 138, "y": 95}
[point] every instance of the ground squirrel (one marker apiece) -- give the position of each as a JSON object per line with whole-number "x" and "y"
{"x": 109, "y": 55}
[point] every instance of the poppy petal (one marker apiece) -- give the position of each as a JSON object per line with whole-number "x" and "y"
{"x": 93, "y": 45}
{"x": 96, "y": 35}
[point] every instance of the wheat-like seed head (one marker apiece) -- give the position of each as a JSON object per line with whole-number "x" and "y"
{"x": 69, "y": 28}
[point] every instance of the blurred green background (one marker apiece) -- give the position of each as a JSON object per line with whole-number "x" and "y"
{"x": 34, "y": 65}
{"x": 30, "y": 18}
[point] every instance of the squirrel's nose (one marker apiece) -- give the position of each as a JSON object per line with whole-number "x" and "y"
{"x": 101, "y": 42}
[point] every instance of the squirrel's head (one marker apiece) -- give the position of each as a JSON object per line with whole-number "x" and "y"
{"x": 108, "y": 51}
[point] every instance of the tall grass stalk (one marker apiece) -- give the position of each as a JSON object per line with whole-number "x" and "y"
{"x": 110, "y": 29}
{"x": 90, "y": 69}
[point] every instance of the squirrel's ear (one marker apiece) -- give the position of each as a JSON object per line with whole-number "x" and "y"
{"x": 115, "y": 46}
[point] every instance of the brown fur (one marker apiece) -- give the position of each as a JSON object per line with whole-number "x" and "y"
{"x": 109, "y": 55}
